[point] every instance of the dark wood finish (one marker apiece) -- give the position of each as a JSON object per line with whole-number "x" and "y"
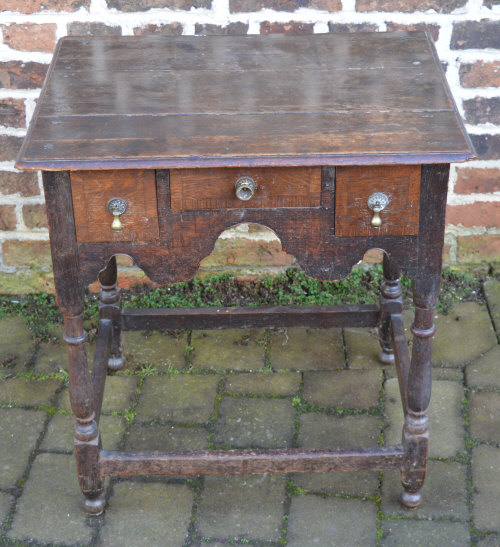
{"x": 92, "y": 191}
{"x": 215, "y": 188}
{"x": 355, "y": 184}
{"x": 370, "y": 112}
{"x": 401, "y": 359}
{"x": 109, "y": 306}
{"x": 426, "y": 287}
{"x": 69, "y": 289}
{"x": 270, "y": 316}
{"x": 100, "y": 363}
{"x": 266, "y": 100}
{"x": 234, "y": 462}
{"x": 390, "y": 303}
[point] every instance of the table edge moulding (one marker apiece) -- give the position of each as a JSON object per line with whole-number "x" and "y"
{"x": 152, "y": 146}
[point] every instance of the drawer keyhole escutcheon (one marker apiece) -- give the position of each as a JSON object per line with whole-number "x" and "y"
{"x": 117, "y": 206}
{"x": 245, "y": 188}
{"x": 377, "y": 202}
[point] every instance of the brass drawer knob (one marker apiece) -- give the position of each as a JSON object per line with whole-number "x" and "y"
{"x": 245, "y": 188}
{"x": 377, "y": 202}
{"x": 117, "y": 206}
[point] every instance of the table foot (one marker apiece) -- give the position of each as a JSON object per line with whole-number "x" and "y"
{"x": 116, "y": 362}
{"x": 94, "y": 505}
{"x": 386, "y": 357}
{"x": 410, "y": 500}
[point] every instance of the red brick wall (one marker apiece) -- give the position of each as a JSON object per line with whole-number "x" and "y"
{"x": 467, "y": 35}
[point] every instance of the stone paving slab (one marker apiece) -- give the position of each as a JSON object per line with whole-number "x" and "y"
{"x": 50, "y": 507}
{"x": 17, "y": 346}
{"x": 363, "y": 348}
{"x": 178, "y": 398}
{"x": 331, "y": 521}
{"x": 343, "y": 389}
{"x": 23, "y": 391}
{"x": 118, "y": 393}
{"x": 438, "y": 373}
{"x": 452, "y": 345}
{"x": 485, "y": 372}
{"x": 161, "y": 350}
{"x": 5, "y": 503}
{"x": 344, "y": 484}
{"x": 265, "y": 383}
{"x": 485, "y": 416}
{"x": 319, "y": 430}
{"x": 423, "y": 533}
{"x": 59, "y": 434}
{"x": 152, "y": 514}
{"x": 307, "y": 349}
{"x": 19, "y": 432}
{"x": 53, "y": 356}
{"x": 491, "y": 540}
{"x": 242, "y": 506}
{"x": 254, "y": 423}
{"x": 229, "y": 349}
{"x": 445, "y": 417}
{"x": 492, "y": 293}
{"x": 166, "y": 437}
{"x": 486, "y": 494}
{"x": 444, "y": 492}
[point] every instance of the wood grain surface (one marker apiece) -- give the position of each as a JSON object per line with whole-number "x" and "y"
{"x": 215, "y": 188}
{"x": 354, "y": 185}
{"x": 92, "y": 191}
{"x": 260, "y": 100}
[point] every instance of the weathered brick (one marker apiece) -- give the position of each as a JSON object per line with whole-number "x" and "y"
{"x": 12, "y": 112}
{"x": 351, "y": 27}
{"x": 433, "y": 30}
{"x": 78, "y": 28}
{"x": 484, "y": 181}
{"x": 480, "y": 74}
{"x": 487, "y": 146}
{"x": 283, "y": 5}
{"x": 326, "y": 5}
{"x": 32, "y": 6}
{"x": 9, "y": 147}
{"x": 35, "y": 216}
{"x": 144, "y": 5}
{"x": 171, "y": 29}
{"x": 481, "y": 213}
{"x": 476, "y": 34}
{"x": 26, "y": 184}
{"x": 7, "y": 217}
{"x": 292, "y": 27}
{"x": 476, "y": 249}
{"x": 21, "y": 75}
{"x": 409, "y": 6}
{"x": 482, "y": 110}
{"x": 233, "y": 29}
{"x": 243, "y": 252}
{"x": 25, "y": 253}
{"x": 30, "y": 36}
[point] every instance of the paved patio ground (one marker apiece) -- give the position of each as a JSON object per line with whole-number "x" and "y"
{"x": 235, "y": 388}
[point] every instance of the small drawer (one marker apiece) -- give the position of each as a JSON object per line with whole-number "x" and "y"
{"x": 92, "y": 192}
{"x": 355, "y": 185}
{"x": 272, "y": 187}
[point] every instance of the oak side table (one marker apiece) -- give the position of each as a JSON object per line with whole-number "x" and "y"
{"x": 151, "y": 146}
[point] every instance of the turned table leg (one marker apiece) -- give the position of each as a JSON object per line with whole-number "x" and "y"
{"x": 110, "y": 303}
{"x": 416, "y": 426}
{"x": 81, "y": 395}
{"x": 69, "y": 291}
{"x": 390, "y": 302}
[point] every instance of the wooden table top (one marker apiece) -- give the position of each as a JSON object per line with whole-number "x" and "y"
{"x": 329, "y": 99}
